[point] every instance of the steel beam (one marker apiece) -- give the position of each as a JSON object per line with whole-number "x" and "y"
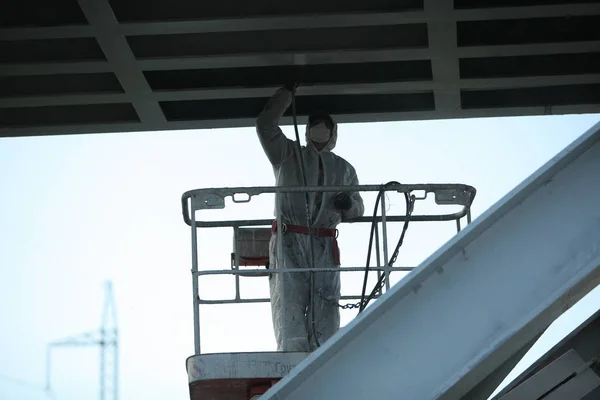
{"x": 300, "y": 58}
{"x": 55, "y": 68}
{"x": 245, "y": 122}
{"x": 529, "y": 49}
{"x": 583, "y": 340}
{"x": 143, "y": 43}
{"x": 444, "y": 65}
{"x": 446, "y": 92}
{"x": 305, "y": 21}
{"x": 119, "y": 55}
{"x": 478, "y": 300}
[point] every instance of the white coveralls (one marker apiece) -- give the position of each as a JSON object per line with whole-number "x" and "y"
{"x": 290, "y": 292}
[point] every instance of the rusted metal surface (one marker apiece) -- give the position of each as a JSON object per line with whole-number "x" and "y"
{"x": 237, "y": 376}
{"x": 229, "y": 389}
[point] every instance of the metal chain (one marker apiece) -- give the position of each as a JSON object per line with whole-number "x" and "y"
{"x": 379, "y": 286}
{"x": 348, "y": 306}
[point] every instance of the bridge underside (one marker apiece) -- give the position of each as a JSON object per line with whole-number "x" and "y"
{"x": 69, "y": 66}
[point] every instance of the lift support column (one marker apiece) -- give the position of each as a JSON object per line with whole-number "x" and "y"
{"x": 459, "y": 322}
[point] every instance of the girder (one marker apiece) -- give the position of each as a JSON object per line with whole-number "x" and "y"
{"x": 89, "y": 66}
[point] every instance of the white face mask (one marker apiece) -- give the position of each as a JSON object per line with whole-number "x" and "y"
{"x": 319, "y": 133}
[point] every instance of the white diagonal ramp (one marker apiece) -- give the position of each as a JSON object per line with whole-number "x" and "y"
{"x": 477, "y": 301}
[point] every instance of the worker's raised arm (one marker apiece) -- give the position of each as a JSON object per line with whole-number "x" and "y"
{"x": 277, "y": 147}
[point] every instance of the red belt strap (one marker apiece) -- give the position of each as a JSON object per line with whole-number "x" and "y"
{"x": 320, "y": 232}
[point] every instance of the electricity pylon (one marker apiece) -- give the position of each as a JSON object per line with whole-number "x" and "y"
{"x": 107, "y": 338}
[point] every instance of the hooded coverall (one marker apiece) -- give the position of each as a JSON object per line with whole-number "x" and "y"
{"x": 290, "y": 292}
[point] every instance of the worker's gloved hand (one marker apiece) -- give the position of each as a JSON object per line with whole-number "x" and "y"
{"x": 291, "y": 86}
{"x": 342, "y": 201}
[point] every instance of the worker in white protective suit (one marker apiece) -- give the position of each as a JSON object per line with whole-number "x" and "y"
{"x": 290, "y": 292}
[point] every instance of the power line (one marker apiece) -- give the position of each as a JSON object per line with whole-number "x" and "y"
{"x": 107, "y": 337}
{"x": 30, "y": 385}
{"x": 21, "y": 382}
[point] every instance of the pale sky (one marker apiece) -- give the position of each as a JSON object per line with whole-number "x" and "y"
{"x": 77, "y": 210}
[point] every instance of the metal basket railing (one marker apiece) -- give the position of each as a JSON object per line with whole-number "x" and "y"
{"x": 214, "y": 198}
